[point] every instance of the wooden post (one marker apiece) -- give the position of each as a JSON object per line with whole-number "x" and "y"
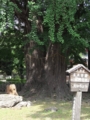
{"x": 77, "y": 106}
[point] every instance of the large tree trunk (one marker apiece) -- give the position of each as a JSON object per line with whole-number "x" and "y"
{"x": 46, "y": 75}
{"x": 34, "y": 67}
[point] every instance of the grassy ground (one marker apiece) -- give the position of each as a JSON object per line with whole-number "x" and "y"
{"x": 39, "y": 111}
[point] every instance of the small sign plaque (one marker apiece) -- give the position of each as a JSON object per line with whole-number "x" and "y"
{"x": 79, "y": 86}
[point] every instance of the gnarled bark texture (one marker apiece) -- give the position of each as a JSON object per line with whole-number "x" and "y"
{"x": 46, "y": 73}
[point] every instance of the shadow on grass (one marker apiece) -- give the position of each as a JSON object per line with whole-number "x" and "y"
{"x": 64, "y": 111}
{"x": 43, "y": 113}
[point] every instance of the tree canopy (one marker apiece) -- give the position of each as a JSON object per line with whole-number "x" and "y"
{"x": 65, "y": 22}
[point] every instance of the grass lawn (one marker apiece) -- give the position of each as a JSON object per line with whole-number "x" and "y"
{"x": 38, "y": 111}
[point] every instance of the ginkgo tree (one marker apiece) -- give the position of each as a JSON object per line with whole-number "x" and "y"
{"x": 52, "y": 30}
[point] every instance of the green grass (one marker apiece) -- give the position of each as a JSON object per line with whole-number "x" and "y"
{"x": 37, "y": 111}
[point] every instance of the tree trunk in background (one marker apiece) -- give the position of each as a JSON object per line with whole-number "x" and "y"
{"x": 46, "y": 75}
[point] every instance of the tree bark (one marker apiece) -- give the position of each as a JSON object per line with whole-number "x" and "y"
{"x": 34, "y": 67}
{"x": 55, "y": 68}
{"x": 47, "y": 74}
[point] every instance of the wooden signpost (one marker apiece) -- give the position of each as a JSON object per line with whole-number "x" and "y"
{"x": 78, "y": 77}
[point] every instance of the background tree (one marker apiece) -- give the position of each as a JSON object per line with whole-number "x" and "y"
{"x": 11, "y": 52}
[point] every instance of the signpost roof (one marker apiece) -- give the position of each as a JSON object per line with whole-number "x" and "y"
{"x": 76, "y": 67}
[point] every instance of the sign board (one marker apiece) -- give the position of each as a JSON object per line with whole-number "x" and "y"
{"x": 79, "y": 80}
{"x": 79, "y": 77}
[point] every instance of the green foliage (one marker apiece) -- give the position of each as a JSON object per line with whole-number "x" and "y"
{"x": 11, "y": 55}
{"x": 34, "y": 11}
{"x": 58, "y": 16}
{"x": 62, "y": 20}
{"x": 7, "y": 12}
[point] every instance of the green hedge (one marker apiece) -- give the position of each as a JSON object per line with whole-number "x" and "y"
{"x": 16, "y": 80}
